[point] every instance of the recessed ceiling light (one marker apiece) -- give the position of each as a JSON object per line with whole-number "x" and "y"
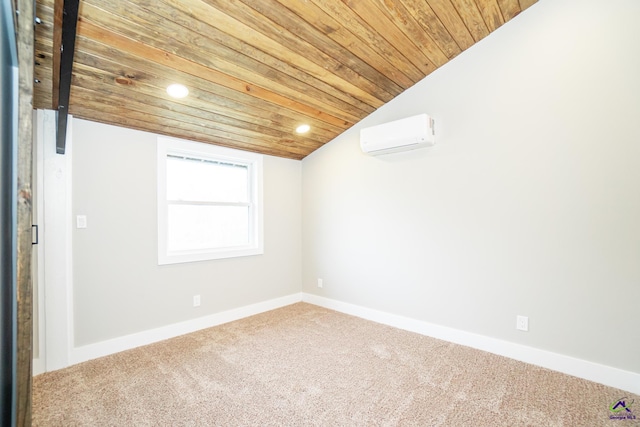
{"x": 303, "y": 128}
{"x": 177, "y": 90}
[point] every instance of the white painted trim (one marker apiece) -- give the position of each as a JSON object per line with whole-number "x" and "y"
{"x": 57, "y": 240}
{"x": 104, "y": 348}
{"x": 607, "y": 375}
{"x": 39, "y": 363}
{"x": 69, "y": 236}
{"x": 38, "y": 366}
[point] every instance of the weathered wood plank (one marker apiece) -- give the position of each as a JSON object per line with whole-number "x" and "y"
{"x": 86, "y": 87}
{"x": 325, "y": 52}
{"x": 42, "y": 95}
{"x": 449, "y": 17}
{"x": 45, "y": 14}
{"x": 387, "y": 29}
{"x": 267, "y": 37}
{"x": 140, "y": 86}
{"x": 426, "y": 17}
{"x": 146, "y": 77}
{"x": 470, "y": 14}
{"x": 185, "y": 131}
{"x": 350, "y": 20}
{"x": 524, "y": 4}
{"x": 25, "y": 40}
{"x": 241, "y": 13}
{"x": 361, "y": 83}
{"x": 398, "y": 14}
{"x": 491, "y": 13}
{"x": 42, "y": 76}
{"x": 58, "y": 12}
{"x": 90, "y": 113}
{"x": 103, "y": 35}
{"x": 509, "y": 8}
{"x": 326, "y": 24}
{"x": 259, "y": 67}
{"x": 205, "y": 51}
{"x": 215, "y": 128}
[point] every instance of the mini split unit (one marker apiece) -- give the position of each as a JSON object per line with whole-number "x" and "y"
{"x": 400, "y": 135}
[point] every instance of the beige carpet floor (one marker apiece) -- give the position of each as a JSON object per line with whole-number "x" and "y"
{"x": 304, "y": 365}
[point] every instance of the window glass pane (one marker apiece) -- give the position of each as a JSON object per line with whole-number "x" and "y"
{"x": 207, "y": 227}
{"x": 206, "y": 181}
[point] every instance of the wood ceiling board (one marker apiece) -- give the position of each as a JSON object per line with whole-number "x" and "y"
{"x": 103, "y": 35}
{"x": 198, "y": 119}
{"x": 524, "y": 4}
{"x": 256, "y": 69}
{"x": 326, "y": 24}
{"x": 203, "y": 94}
{"x": 470, "y": 15}
{"x": 142, "y": 92}
{"x": 366, "y": 35}
{"x": 509, "y": 8}
{"x": 144, "y": 121}
{"x": 325, "y": 52}
{"x": 400, "y": 16}
{"x": 42, "y": 77}
{"x": 94, "y": 80}
{"x": 272, "y": 39}
{"x": 369, "y": 11}
{"x": 42, "y": 96}
{"x": 58, "y": 15}
{"x": 211, "y": 44}
{"x": 424, "y": 14}
{"x": 491, "y": 13}
{"x": 448, "y": 15}
{"x": 201, "y": 50}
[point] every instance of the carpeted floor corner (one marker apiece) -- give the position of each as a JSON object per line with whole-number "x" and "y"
{"x": 303, "y": 365}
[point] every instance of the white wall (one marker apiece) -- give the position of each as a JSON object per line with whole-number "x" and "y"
{"x": 118, "y": 288}
{"x": 529, "y": 204}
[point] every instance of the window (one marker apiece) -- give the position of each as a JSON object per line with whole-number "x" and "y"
{"x": 209, "y": 202}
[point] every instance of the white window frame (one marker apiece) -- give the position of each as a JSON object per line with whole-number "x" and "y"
{"x": 211, "y": 152}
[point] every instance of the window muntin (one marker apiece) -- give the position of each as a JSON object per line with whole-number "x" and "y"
{"x": 209, "y": 202}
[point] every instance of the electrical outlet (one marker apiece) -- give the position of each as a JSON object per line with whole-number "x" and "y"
{"x": 522, "y": 323}
{"x": 319, "y": 283}
{"x": 196, "y": 300}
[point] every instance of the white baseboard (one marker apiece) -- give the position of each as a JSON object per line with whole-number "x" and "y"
{"x": 37, "y": 367}
{"x": 607, "y": 375}
{"x": 104, "y": 348}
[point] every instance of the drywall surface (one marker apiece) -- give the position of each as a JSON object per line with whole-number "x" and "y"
{"x": 528, "y": 205}
{"x": 118, "y": 287}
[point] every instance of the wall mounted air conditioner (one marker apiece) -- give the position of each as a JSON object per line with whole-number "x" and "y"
{"x": 400, "y": 135}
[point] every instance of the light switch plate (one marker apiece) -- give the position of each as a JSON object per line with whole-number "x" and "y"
{"x": 81, "y": 221}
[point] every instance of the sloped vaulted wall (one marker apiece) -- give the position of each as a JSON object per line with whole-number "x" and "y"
{"x": 529, "y": 204}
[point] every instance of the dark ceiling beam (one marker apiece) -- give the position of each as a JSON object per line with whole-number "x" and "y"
{"x": 66, "y": 51}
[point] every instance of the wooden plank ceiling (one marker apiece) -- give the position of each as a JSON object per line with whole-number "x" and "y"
{"x": 255, "y": 69}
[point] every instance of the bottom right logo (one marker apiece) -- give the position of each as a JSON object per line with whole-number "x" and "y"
{"x": 621, "y": 410}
